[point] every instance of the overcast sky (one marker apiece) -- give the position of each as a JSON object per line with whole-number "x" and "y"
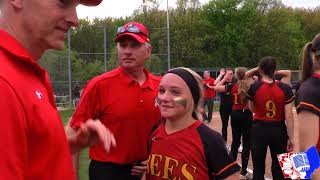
{"x": 121, "y": 8}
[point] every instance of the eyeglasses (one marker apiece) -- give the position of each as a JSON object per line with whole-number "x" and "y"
{"x": 130, "y": 28}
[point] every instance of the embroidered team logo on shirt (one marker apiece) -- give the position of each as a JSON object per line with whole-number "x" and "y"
{"x": 39, "y": 94}
{"x": 153, "y": 138}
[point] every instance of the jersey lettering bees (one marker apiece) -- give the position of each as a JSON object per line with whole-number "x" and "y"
{"x": 164, "y": 167}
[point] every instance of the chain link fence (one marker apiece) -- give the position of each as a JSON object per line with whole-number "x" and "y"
{"x": 91, "y": 51}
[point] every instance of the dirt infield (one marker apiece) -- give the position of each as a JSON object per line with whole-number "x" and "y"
{"x": 216, "y": 125}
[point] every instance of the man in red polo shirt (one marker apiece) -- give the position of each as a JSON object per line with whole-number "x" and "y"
{"x": 124, "y": 101}
{"x": 33, "y": 144}
{"x": 209, "y": 94}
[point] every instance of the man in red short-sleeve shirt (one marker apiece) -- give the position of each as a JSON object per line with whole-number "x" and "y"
{"x": 209, "y": 94}
{"x": 124, "y": 101}
{"x": 33, "y": 144}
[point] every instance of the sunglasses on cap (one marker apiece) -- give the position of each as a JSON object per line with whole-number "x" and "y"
{"x": 130, "y": 28}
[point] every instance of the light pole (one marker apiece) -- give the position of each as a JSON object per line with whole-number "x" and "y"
{"x": 69, "y": 67}
{"x": 105, "y": 48}
{"x": 168, "y": 35}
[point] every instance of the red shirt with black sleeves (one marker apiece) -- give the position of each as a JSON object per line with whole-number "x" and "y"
{"x": 33, "y": 144}
{"x": 208, "y": 92}
{"x": 126, "y": 108}
{"x": 237, "y": 104}
{"x": 308, "y": 98}
{"x": 196, "y": 152}
{"x": 269, "y": 100}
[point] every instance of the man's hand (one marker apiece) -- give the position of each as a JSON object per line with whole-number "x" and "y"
{"x": 93, "y": 132}
{"x": 90, "y": 133}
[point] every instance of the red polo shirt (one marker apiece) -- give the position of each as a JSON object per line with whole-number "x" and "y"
{"x": 208, "y": 92}
{"x": 33, "y": 143}
{"x": 126, "y": 108}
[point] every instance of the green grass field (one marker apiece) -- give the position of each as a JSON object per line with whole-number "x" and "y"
{"x": 84, "y": 158}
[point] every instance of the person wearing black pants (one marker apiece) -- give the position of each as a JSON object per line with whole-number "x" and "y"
{"x": 225, "y": 109}
{"x": 241, "y": 117}
{"x": 241, "y": 121}
{"x": 273, "y": 123}
{"x": 209, "y": 94}
{"x": 225, "y": 112}
{"x": 209, "y": 102}
{"x": 261, "y": 139}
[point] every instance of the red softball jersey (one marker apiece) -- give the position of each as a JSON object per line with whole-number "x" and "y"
{"x": 237, "y": 104}
{"x": 269, "y": 100}
{"x": 196, "y": 152}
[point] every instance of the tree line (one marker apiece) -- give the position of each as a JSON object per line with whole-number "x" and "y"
{"x": 220, "y": 33}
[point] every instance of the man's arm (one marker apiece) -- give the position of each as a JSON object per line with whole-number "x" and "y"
{"x": 75, "y": 155}
{"x": 211, "y": 87}
{"x": 75, "y": 162}
{"x": 91, "y": 132}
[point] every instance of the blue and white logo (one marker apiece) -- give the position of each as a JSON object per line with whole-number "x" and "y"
{"x": 306, "y": 162}
{"x": 299, "y": 165}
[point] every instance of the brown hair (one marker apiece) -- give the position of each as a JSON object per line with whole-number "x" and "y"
{"x": 243, "y": 83}
{"x": 268, "y": 65}
{"x": 311, "y": 57}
